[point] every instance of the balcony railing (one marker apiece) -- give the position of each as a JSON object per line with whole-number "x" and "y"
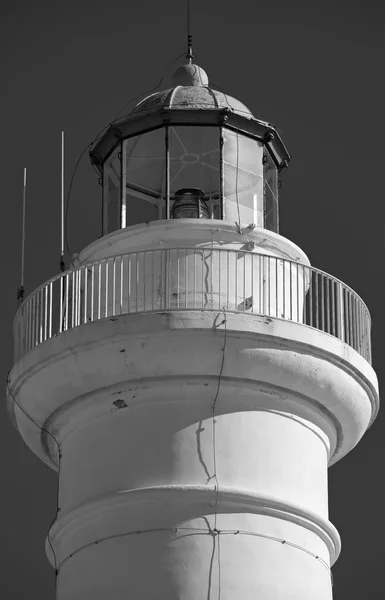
{"x": 193, "y": 279}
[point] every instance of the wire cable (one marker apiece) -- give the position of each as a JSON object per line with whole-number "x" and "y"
{"x": 49, "y": 433}
{"x": 96, "y": 139}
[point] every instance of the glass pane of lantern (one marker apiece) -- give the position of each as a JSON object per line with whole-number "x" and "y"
{"x": 243, "y": 178}
{"x": 144, "y": 177}
{"x": 195, "y": 165}
{"x": 111, "y": 192}
{"x": 270, "y": 179}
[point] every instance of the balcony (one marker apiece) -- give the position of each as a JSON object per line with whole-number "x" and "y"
{"x": 180, "y": 279}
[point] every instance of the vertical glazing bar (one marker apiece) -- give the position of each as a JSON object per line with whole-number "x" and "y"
{"x": 113, "y": 286}
{"x": 322, "y": 302}
{"x": 167, "y": 181}
{"x": 50, "y": 309}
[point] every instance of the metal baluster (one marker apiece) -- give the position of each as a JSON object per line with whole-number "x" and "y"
{"x": 310, "y": 292}
{"x": 236, "y": 282}
{"x": 298, "y": 300}
{"x": 99, "y": 290}
{"x": 203, "y": 281}
{"x": 185, "y": 278}
{"x": 85, "y": 295}
{"x": 144, "y": 254}
{"x": 322, "y": 303}
{"x": 260, "y": 284}
{"x": 45, "y": 312}
{"x": 284, "y": 288}
{"x": 107, "y": 287}
{"x": 66, "y": 303}
{"x": 252, "y": 281}
{"x": 61, "y": 304}
{"x": 121, "y": 283}
{"x": 228, "y": 278}
{"x": 291, "y": 292}
{"x": 316, "y": 300}
{"x": 220, "y": 254}
{"x": 212, "y": 280}
{"x": 40, "y": 317}
{"x": 195, "y": 278}
{"x": 276, "y": 288}
{"x": 153, "y": 279}
{"x": 244, "y": 281}
{"x": 137, "y": 258}
{"x": 328, "y": 282}
{"x": 333, "y": 309}
{"x": 129, "y": 283}
{"x": 351, "y": 324}
{"x": 92, "y": 291}
{"x": 113, "y": 286}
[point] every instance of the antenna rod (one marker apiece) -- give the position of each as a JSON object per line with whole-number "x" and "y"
{"x": 62, "y": 266}
{"x": 20, "y": 291}
{"x": 189, "y": 54}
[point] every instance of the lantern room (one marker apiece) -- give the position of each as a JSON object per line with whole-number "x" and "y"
{"x": 192, "y": 152}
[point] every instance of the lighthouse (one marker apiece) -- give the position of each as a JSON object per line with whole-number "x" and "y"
{"x": 191, "y": 377}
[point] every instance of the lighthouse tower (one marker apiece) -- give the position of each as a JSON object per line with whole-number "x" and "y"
{"x": 191, "y": 377}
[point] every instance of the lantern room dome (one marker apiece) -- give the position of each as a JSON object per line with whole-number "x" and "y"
{"x": 190, "y": 90}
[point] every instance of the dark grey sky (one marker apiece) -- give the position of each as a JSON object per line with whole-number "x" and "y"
{"x": 314, "y": 69}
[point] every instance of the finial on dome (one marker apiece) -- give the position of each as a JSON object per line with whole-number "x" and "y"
{"x": 190, "y": 75}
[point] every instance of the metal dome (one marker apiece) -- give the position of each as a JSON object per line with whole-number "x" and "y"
{"x": 191, "y": 91}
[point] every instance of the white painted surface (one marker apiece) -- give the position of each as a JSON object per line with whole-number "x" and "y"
{"x": 130, "y": 400}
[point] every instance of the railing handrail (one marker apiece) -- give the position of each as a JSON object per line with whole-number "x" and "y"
{"x": 217, "y": 248}
{"x": 312, "y": 297}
